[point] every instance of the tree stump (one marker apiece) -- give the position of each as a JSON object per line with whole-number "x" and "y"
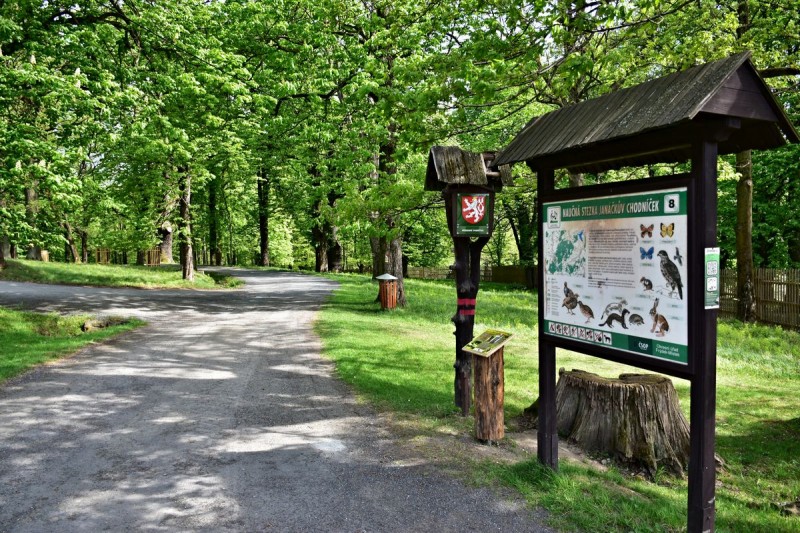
{"x": 636, "y": 419}
{"x": 489, "y": 397}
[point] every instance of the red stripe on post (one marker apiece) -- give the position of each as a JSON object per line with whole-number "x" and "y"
{"x": 467, "y": 301}
{"x": 466, "y": 312}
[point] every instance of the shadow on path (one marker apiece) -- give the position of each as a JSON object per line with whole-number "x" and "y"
{"x": 220, "y": 415}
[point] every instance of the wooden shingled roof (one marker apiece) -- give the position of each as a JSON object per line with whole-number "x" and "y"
{"x": 656, "y": 121}
{"x": 450, "y": 165}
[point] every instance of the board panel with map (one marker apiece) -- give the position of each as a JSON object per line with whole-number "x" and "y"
{"x": 615, "y": 273}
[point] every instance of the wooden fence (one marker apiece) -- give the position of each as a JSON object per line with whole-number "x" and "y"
{"x": 102, "y": 256}
{"x": 152, "y": 257}
{"x": 777, "y": 290}
{"x": 777, "y": 294}
{"x": 500, "y": 274}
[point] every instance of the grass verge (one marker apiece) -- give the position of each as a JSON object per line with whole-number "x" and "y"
{"x": 163, "y": 277}
{"x": 401, "y": 361}
{"x": 29, "y": 339}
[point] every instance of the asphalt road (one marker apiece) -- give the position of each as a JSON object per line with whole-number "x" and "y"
{"x": 220, "y": 415}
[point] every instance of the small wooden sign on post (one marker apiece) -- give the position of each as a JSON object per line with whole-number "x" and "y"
{"x": 488, "y": 342}
{"x": 489, "y": 384}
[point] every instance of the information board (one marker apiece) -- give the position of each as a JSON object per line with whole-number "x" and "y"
{"x": 615, "y": 272}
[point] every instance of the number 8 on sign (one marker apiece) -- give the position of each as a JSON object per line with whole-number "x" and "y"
{"x": 672, "y": 203}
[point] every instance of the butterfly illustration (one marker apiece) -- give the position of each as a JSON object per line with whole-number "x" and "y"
{"x": 678, "y": 257}
{"x": 667, "y": 231}
{"x": 646, "y": 254}
{"x": 580, "y": 235}
{"x": 647, "y": 231}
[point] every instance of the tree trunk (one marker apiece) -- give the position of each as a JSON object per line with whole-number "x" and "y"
{"x": 31, "y": 211}
{"x": 320, "y": 236}
{"x": 378, "y": 247}
{"x": 746, "y": 303}
{"x": 213, "y": 226}
{"x": 73, "y": 250}
{"x": 5, "y": 244}
{"x": 185, "y": 229}
{"x": 84, "y": 246}
{"x": 334, "y": 250}
{"x": 263, "y": 217}
{"x": 635, "y": 419}
{"x": 166, "y": 234}
{"x": 395, "y": 268}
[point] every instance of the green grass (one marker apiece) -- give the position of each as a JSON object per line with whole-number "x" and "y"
{"x": 401, "y": 361}
{"x": 30, "y": 339}
{"x": 164, "y": 277}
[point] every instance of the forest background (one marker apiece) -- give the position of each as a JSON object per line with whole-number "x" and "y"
{"x": 295, "y": 133}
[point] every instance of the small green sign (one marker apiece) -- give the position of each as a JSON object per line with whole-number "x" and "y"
{"x": 712, "y": 279}
{"x": 473, "y": 214}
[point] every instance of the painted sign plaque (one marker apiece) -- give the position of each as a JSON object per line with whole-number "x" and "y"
{"x": 487, "y": 342}
{"x": 473, "y": 212}
{"x": 711, "y": 277}
{"x": 615, "y": 272}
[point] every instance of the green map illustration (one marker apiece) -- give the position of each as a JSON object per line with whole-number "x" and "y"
{"x": 565, "y": 252}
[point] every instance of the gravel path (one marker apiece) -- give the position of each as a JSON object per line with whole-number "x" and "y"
{"x": 219, "y": 415}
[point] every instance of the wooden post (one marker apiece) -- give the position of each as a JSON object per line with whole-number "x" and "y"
{"x": 489, "y": 397}
{"x": 548, "y": 432}
{"x": 703, "y": 327}
{"x": 467, "y": 272}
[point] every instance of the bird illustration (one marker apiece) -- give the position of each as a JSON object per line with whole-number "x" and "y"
{"x": 671, "y": 274}
{"x": 567, "y": 291}
{"x": 586, "y": 311}
{"x": 678, "y": 257}
{"x": 570, "y": 302}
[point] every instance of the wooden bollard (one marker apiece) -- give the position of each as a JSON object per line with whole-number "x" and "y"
{"x": 489, "y": 397}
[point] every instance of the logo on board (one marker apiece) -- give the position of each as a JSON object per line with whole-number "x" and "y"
{"x": 473, "y": 208}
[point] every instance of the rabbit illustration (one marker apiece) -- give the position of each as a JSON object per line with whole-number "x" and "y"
{"x": 659, "y": 321}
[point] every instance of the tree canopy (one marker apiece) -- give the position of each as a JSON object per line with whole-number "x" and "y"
{"x": 295, "y": 133}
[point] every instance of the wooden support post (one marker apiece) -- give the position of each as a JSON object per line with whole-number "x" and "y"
{"x": 548, "y": 432}
{"x": 468, "y": 276}
{"x": 702, "y": 473}
{"x": 489, "y": 397}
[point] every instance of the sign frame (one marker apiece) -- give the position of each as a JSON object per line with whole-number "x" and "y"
{"x": 643, "y": 186}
